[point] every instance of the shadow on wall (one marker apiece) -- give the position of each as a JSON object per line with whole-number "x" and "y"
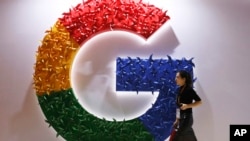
{"x": 161, "y": 43}
{"x": 203, "y": 120}
{"x": 29, "y": 123}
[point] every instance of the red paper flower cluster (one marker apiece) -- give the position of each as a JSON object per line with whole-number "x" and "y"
{"x": 95, "y": 16}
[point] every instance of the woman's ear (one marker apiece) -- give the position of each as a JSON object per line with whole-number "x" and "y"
{"x": 185, "y": 81}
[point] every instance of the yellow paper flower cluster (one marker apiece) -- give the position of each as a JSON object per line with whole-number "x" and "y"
{"x": 53, "y": 61}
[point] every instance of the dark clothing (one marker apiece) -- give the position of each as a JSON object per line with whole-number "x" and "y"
{"x": 185, "y": 131}
{"x": 187, "y": 96}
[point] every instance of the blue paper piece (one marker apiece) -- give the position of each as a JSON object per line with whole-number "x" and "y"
{"x": 153, "y": 75}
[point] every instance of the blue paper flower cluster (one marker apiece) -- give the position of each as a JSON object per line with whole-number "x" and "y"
{"x": 153, "y": 75}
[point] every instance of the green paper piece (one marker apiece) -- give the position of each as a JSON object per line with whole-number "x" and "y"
{"x": 73, "y": 123}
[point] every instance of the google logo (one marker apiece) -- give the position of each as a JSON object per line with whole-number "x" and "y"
{"x": 81, "y": 73}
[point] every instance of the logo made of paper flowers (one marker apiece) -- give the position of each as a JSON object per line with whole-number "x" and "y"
{"x": 54, "y": 60}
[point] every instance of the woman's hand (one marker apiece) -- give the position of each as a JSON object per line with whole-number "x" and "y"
{"x": 184, "y": 106}
{"x": 175, "y": 125}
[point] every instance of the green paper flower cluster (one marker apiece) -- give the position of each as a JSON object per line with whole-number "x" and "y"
{"x": 73, "y": 123}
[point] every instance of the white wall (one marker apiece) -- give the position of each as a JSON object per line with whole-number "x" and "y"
{"x": 215, "y": 32}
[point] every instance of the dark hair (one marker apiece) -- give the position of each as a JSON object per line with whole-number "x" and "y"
{"x": 187, "y": 76}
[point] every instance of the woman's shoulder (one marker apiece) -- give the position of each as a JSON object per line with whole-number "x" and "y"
{"x": 190, "y": 89}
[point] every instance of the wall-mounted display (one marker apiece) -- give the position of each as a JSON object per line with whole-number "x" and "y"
{"x": 58, "y": 49}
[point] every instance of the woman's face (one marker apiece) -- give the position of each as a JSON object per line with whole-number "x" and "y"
{"x": 179, "y": 80}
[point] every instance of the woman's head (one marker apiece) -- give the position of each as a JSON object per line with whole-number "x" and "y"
{"x": 183, "y": 78}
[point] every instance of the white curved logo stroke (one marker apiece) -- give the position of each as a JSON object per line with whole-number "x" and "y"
{"x": 94, "y": 69}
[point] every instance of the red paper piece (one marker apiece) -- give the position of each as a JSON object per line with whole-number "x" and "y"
{"x": 95, "y": 16}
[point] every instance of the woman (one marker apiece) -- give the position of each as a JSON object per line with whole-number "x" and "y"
{"x": 186, "y": 100}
